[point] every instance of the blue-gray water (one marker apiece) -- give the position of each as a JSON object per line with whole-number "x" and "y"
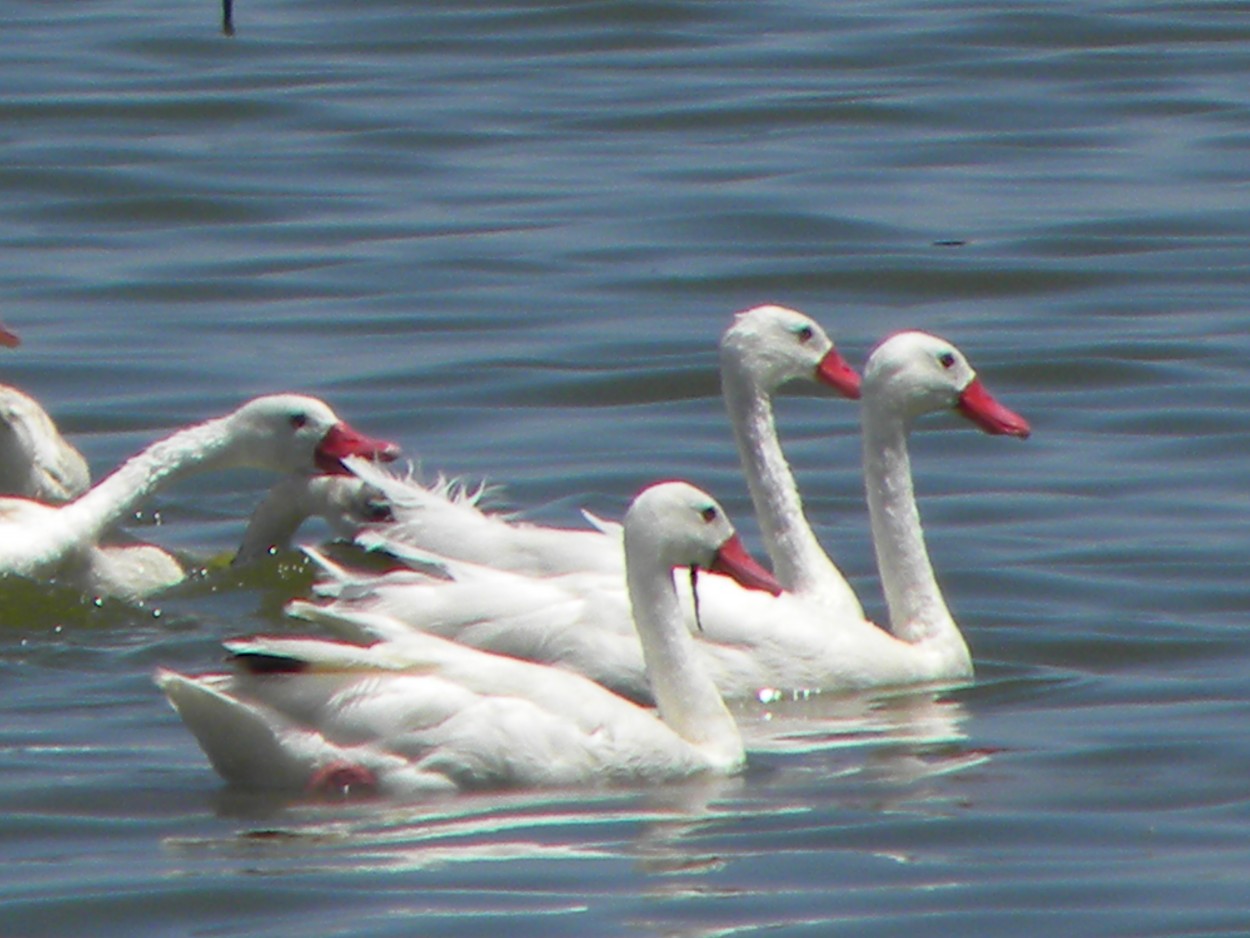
{"x": 507, "y": 235}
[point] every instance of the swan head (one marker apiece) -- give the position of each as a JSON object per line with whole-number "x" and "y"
{"x": 293, "y": 433}
{"x": 916, "y": 373}
{"x": 35, "y": 460}
{"x": 774, "y": 345}
{"x": 685, "y": 527}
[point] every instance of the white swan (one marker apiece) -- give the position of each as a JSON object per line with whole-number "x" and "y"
{"x": 284, "y": 433}
{"x": 306, "y": 714}
{"x": 763, "y": 349}
{"x": 35, "y": 460}
{"x": 750, "y": 642}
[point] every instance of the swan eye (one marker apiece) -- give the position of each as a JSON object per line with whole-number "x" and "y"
{"x": 709, "y": 514}
{"x": 805, "y": 334}
{"x": 299, "y": 421}
{"x": 947, "y": 359}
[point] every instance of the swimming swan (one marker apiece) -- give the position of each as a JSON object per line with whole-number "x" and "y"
{"x": 314, "y": 715}
{"x": 763, "y": 349}
{"x": 283, "y": 433}
{"x": 750, "y": 642}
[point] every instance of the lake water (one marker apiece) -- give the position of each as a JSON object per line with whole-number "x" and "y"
{"x": 508, "y": 235}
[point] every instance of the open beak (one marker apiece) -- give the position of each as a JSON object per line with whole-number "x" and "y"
{"x": 342, "y": 441}
{"x": 979, "y": 406}
{"x": 835, "y": 372}
{"x": 733, "y": 560}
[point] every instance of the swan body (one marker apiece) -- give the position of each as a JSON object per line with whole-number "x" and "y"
{"x": 763, "y": 349}
{"x": 312, "y": 714}
{"x": 750, "y": 643}
{"x": 283, "y": 433}
{"x": 36, "y": 461}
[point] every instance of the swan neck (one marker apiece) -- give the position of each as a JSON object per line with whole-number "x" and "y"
{"x": 202, "y": 447}
{"x": 799, "y": 562}
{"x": 917, "y": 609}
{"x": 686, "y": 697}
{"x": 276, "y": 519}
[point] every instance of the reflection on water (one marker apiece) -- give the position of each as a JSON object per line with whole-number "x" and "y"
{"x": 899, "y": 750}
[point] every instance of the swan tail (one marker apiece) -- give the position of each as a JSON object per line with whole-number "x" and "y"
{"x": 602, "y": 525}
{"x": 245, "y": 744}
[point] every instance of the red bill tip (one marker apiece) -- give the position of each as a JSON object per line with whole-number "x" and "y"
{"x": 834, "y": 371}
{"x": 342, "y": 441}
{"x": 979, "y": 406}
{"x": 733, "y": 560}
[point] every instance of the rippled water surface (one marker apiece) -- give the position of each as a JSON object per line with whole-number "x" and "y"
{"x": 508, "y": 235}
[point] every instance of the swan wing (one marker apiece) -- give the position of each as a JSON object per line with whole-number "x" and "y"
{"x": 532, "y": 619}
{"x": 448, "y": 520}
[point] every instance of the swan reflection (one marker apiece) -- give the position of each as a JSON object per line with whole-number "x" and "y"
{"x": 896, "y": 751}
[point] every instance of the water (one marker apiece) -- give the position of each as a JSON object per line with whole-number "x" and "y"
{"x": 507, "y": 235}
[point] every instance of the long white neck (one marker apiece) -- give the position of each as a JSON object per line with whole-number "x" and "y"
{"x": 916, "y": 607}
{"x": 685, "y": 695}
{"x": 279, "y": 515}
{"x": 202, "y": 447}
{"x": 799, "y": 562}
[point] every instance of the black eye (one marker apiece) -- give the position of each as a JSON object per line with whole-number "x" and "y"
{"x": 947, "y": 359}
{"x": 299, "y": 420}
{"x": 709, "y": 514}
{"x": 805, "y": 334}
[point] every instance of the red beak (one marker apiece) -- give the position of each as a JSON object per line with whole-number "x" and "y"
{"x": 9, "y": 339}
{"x": 979, "y": 406}
{"x": 342, "y": 441}
{"x": 733, "y": 560}
{"x": 835, "y": 372}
